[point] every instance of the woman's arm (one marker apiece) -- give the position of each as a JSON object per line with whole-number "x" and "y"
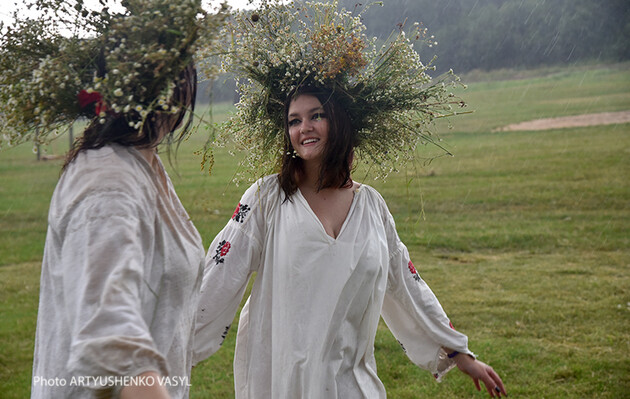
{"x": 231, "y": 259}
{"x": 103, "y": 270}
{"x": 417, "y": 319}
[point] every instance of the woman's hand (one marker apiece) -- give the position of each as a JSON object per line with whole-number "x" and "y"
{"x": 480, "y": 371}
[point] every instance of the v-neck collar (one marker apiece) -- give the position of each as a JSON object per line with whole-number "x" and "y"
{"x": 305, "y": 203}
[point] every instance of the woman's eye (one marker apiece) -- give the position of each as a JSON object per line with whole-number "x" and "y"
{"x": 319, "y": 116}
{"x": 294, "y": 122}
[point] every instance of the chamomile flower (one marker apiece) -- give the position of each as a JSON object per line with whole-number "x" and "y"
{"x": 101, "y": 65}
{"x": 385, "y": 89}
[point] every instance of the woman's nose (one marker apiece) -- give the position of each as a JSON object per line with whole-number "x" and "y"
{"x": 306, "y": 126}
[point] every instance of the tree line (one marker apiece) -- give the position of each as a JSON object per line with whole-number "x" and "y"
{"x": 496, "y": 34}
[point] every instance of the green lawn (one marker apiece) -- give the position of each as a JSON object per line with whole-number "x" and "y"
{"x": 524, "y": 237}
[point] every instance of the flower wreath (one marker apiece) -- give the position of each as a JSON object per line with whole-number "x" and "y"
{"x": 71, "y": 62}
{"x": 385, "y": 89}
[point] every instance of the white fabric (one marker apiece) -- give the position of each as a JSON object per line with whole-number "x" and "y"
{"x": 308, "y": 328}
{"x": 120, "y": 278}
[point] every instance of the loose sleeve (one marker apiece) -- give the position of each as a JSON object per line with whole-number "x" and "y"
{"x": 414, "y": 314}
{"x": 106, "y": 239}
{"x": 232, "y": 258}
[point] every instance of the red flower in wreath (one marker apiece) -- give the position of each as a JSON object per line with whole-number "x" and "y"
{"x": 92, "y": 97}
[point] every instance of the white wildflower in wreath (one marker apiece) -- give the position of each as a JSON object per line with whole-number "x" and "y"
{"x": 385, "y": 88}
{"x": 71, "y": 62}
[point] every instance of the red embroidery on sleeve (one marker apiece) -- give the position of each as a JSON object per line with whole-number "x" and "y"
{"x": 225, "y": 248}
{"x": 238, "y": 207}
{"x": 222, "y": 250}
{"x": 413, "y": 271}
{"x": 240, "y": 212}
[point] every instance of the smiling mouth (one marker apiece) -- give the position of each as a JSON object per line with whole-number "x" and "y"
{"x": 309, "y": 141}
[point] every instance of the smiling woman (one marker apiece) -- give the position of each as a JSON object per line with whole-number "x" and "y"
{"x": 329, "y": 264}
{"x": 328, "y": 259}
{"x": 308, "y": 128}
{"x": 309, "y": 149}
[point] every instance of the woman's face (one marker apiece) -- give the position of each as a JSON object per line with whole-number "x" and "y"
{"x": 308, "y": 127}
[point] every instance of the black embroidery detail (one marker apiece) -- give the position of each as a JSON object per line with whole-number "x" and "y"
{"x": 224, "y": 335}
{"x": 402, "y": 346}
{"x": 240, "y": 212}
{"x": 222, "y": 250}
{"x": 413, "y": 271}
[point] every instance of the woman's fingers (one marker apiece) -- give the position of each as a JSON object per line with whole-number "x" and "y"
{"x": 498, "y": 383}
{"x": 493, "y": 382}
{"x": 478, "y": 370}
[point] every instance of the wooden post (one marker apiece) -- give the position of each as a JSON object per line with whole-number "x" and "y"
{"x": 39, "y": 152}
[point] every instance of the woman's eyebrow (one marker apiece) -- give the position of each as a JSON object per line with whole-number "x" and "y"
{"x": 294, "y": 114}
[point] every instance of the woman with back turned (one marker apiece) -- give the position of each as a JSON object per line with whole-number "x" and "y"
{"x": 122, "y": 262}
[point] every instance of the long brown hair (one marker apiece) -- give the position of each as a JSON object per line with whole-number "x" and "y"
{"x": 116, "y": 128}
{"x": 337, "y": 160}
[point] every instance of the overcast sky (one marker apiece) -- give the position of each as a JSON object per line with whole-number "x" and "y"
{"x": 8, "y": 6}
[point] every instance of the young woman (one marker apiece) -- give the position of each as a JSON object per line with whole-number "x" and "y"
{"x": 121, "y": 267}
{"x": 329, "y": 263}
{"x": 122, "y": 263}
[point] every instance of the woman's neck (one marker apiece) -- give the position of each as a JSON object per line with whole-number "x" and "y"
{"x": 309, "y": 181}
{"x": 148, "y": 154}
{"x": 309, "y": 178}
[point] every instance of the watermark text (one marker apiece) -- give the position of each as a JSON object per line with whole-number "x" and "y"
{"x": 111, "y": 381}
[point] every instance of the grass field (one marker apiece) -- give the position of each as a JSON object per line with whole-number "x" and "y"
{"x": 524, "y": 237}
